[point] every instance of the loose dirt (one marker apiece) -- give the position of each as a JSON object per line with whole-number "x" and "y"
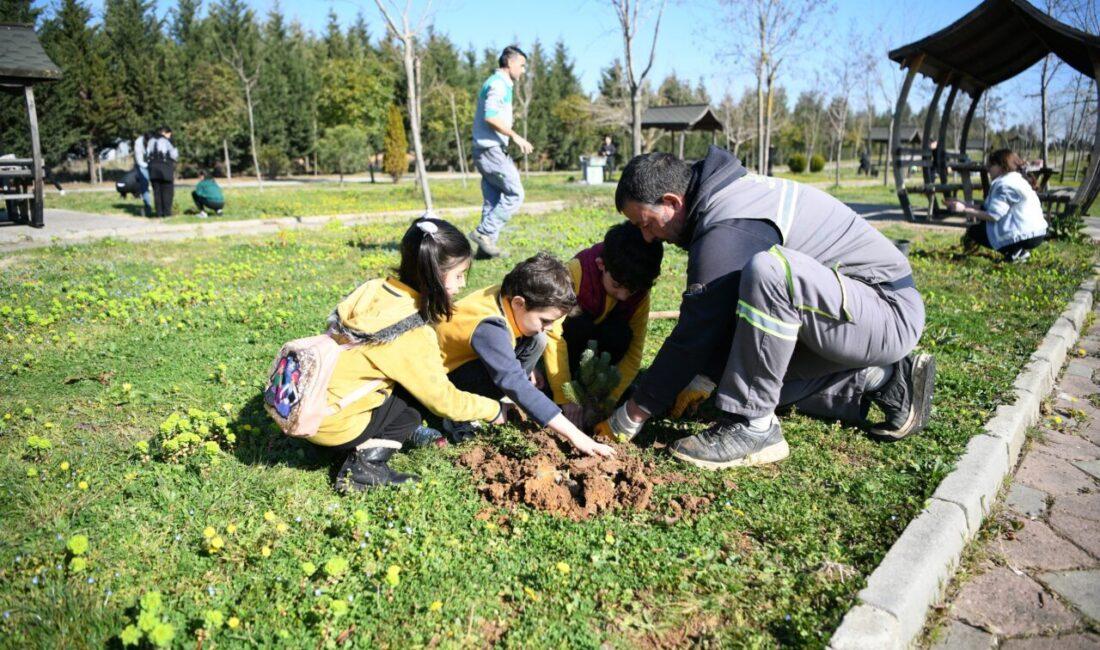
{"x": 564, "y": 484}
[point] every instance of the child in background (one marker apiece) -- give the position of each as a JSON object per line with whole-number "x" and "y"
{"x": 612, "y": 282}
{"x": 208, "y": 195}
{"x": 496, "y": 337}
{"x": 389, "y": 318}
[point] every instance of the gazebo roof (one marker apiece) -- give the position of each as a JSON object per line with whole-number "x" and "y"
{"x": 996, "y": 41}
{"x": 908, "y": 134}
{"x": 687, "y": 117}
{"x": 22, "y": 59}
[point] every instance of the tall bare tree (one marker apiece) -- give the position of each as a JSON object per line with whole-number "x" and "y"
{"x": 628, "y": 12}
{"x": 408, "y": 33}
{"x": 776, "y": 32}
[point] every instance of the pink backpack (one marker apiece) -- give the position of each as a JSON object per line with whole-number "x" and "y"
{"x": 297, "y": 386}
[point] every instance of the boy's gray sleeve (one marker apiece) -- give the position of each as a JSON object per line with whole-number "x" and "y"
{"x": 494, "y": 344}
{"x": 699, "y": 344}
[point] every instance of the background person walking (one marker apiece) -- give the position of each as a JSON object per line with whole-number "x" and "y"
{"x": 162, "y": 156}
{"x": 141, "y": 144}
{"x": 501, "y": 188}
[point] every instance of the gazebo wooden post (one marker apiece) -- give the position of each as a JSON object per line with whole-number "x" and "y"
{"x": 895, "y": 137}
{"x": 968, "y": 186}
{"x": 945, "y": 119}
{"x": 37, "y": 220}
{"x": 928, "y": 155}
{"x": 680, "y": 144}
{"x": 1090, "y": 185}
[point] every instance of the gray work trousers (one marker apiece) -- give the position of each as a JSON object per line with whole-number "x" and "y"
{"x": 806, "y": 335}
{"x": 501, "y": 189}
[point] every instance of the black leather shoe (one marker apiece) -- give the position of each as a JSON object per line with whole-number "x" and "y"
{"x": 367, "y": 468}
{"x": 906, "y": 399}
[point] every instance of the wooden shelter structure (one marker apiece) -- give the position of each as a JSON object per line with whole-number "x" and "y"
{"x": 996, "y": 41}
{"x": 880, "y": 135}
{"x": 23, "y": 63}
{"x": 681, "y": 119}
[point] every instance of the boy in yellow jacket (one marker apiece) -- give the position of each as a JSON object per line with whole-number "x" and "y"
{"x": 496, "y": 337}
{"x": 612, "y": 282}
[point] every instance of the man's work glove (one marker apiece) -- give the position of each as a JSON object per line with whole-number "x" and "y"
{"x": 619, "y": 427}
{"x": 689, "y": 399}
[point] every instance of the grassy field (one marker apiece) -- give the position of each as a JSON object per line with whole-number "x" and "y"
{"x": 328, "y": 198}
{"x": 112, "y": 350}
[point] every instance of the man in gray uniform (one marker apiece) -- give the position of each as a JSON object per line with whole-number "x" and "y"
{"x": 815, "y": 307}
{"x": 501, "y": 188}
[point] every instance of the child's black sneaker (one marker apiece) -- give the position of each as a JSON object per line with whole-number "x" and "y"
{"x": 906, "y": 399}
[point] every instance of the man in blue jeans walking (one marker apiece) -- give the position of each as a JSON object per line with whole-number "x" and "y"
{"x": 500, "y": 183}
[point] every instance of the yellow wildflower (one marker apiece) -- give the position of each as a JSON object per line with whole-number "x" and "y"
{"x": 563, "y": 568}
{"x": 209, "y": 532}
{"x": 64, "y": 466}
{"x": 83, "y": 485}
{"x": 265, "y": 551}
{"x": 231, "y": 528}
{"x": 216, "y": 543}
{"x": 269, "y": 516}
{"x": 435, "y": 606}
{"x": 281, "y": 527}
{"x": 233, "y": 622}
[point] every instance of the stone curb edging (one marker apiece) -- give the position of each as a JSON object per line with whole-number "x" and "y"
{"x": 245, "y": 226}
{"x": 890, "y": 611}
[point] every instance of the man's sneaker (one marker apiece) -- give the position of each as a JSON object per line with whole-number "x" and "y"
{"x": 202, "y": 214}
{"x": 732, "y": 443}
{"x": 486, "y": 247}
{"x": 460, "y": 432}
{"x": 218, "y": 212}
{"x": 906, "y": 399}
{"x": 1020, "y": 256}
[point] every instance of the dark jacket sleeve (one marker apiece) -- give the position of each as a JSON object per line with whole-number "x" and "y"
{"x": 700, "y": 342}
{"x": 494, "y": 344}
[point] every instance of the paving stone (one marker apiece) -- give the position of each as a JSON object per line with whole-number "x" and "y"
{"x": 1080, "y": 588}
{"x": 1077, "y": 386}
{"x": 1008, "y": 604}
{"x": 1026, "y": 500}
{"x": 1036, "y": 546}
{"x": 1067, "y": 446}
{"x": 1082, "y": 532}
{"x": 1052, "y": 475}
{"x": 1091, "y": 431}
{"x": 1090, "y": 467}
{"x": 1065, "y": 642}
{"x": 1079, "y": 368}
{"x": 1085, "y": 506}
{"x": 959, "y": 636}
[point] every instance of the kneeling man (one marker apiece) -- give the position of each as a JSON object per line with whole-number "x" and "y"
{"x": 792, "y": 299}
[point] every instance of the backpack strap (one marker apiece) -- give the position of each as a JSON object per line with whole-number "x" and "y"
{"x": 354, "y": 396}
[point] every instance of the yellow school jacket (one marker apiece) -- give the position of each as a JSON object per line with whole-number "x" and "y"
{"x": 455, "y": 335}
{"x": 556, "y": 357}
{"x": 403, "y": 350}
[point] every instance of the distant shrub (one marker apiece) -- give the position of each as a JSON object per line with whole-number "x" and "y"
{"x": 273, "y": 160}
{"x": 817, "y": 163}
{"x": 796, "y": 163}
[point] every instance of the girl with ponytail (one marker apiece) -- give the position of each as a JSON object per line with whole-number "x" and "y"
{"x": 394, "y": 351}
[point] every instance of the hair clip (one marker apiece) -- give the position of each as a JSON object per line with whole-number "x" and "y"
{"x": 427, "y": 227}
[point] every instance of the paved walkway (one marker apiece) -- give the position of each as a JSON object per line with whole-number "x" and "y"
{"x": 1038, "y": 585}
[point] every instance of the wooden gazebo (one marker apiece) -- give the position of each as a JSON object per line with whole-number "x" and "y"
{"x": 993, "y": 43}
{"x": 24, "y": 63}
{"x": 681, "y": 119}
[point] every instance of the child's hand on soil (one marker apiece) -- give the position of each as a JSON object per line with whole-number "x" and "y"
{"x": 502, "y": 417}
{"x": 590, "y": 447}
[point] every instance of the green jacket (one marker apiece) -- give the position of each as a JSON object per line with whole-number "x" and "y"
{"x": 209, "y": 191}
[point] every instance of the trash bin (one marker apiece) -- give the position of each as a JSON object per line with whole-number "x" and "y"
{"x": 592, "y": 167}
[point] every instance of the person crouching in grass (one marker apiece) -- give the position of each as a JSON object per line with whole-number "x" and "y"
{"x": 495, "y": 339}
{"x": 388, "y": 319}
{"x": 207, "y": 195}
{"x": 612, "y": 281}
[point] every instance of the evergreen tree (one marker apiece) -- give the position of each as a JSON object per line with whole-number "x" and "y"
{"x": 344, "y": 149}
{"x": 395, "y": 160}
{"x": 136, "y": 62}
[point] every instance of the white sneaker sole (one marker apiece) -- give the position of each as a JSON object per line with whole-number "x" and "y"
{"x": 766, "y": 456}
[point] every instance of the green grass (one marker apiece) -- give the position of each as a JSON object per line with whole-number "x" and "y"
{"x": 327, "y": 198}
{"x": 103, "y": 343}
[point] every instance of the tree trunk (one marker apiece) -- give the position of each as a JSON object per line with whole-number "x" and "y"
{"x": 91, "y": 161}
{"x": 252, "y": 135}
{"x": 636, "y": 119}
{"x": 836, "y": 164}
{"x": 768, "y": 123}
{"x": 414, "y": 122}
{"x": 1043, "y": 117}
{"x": 889, "y": 139}
{"x": 760, "y": 168}
{"x": 225, "y": 150}
{"x": 458, "y": 142}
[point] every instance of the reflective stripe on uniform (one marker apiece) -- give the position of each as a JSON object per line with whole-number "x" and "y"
{"x": 767, "y": 324}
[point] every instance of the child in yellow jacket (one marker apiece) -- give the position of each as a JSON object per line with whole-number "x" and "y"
{"x": 612, "y": 281}
{"x": 498, "y": 334}
{"x": 390, "y": 319}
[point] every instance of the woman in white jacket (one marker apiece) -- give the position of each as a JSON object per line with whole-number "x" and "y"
{"x": 1011, "y": 220}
